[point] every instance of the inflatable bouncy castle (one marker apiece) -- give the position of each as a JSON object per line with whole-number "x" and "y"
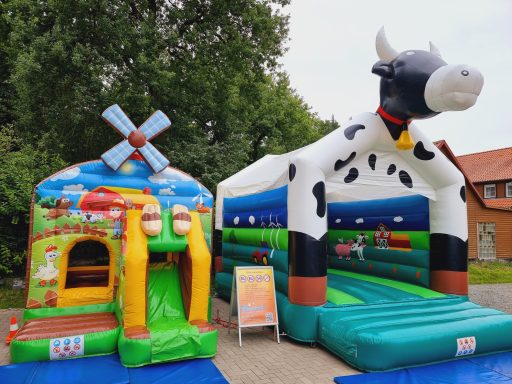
{"x": 367, "y": 229}
{"x": 119, "y": 258}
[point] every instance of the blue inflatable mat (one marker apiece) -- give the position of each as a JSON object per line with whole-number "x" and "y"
{"x": 496, "y": 368}
{"x": 108, "y": 370}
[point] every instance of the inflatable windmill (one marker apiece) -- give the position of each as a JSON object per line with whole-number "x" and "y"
{"x": 136, "y": 139}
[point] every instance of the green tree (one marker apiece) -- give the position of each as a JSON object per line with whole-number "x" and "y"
{"x": 200, "y": 61}
{"x": 6, "y": 90}
{"x": 211, "y": 65}
{"x": 22, "y": 166}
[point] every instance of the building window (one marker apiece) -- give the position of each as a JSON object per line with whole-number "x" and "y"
{"x": 508, "y": 189}
{"x": 489, "y": 191}
{"x": 487, "y": 241}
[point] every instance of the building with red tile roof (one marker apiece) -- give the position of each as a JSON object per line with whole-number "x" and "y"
{"x": 483, "y": 167}
{"x": 488, "y": 178}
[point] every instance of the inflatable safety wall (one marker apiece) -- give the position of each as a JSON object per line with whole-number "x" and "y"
{"x": 255, "y": 233}
{"x": 386, "y": 237}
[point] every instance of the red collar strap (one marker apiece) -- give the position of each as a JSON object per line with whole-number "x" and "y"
{"x": 393, "y": 119}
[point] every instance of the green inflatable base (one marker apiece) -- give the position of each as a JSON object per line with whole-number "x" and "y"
{"x": 97, "y": 343}
{"x": 172, "y": 337}
{"x": 139, "y": 352}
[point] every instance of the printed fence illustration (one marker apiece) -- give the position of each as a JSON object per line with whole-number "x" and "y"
{"x": 67, "y": 229}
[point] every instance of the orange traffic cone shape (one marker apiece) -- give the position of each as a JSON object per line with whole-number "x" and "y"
{"x": 13, "y": 329}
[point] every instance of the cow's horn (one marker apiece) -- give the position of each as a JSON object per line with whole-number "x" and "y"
{"x": 384, "y": 50}
{"x": 434, "y": 50}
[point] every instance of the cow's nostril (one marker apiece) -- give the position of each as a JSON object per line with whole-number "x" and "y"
{"x": 464, "y": 72}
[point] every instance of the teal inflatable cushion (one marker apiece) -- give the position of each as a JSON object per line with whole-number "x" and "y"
{"x": 397, "y": 335}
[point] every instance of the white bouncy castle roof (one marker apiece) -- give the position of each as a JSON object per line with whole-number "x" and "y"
{"x": 373, "y": 182}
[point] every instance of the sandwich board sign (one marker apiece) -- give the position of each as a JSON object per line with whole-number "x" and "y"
{"x": 253, "y": 298}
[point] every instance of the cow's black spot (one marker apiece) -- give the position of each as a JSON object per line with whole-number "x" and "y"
{"x": 308, "y": 256}
{"x": 353, "y": 173}
{"x": 405, "y": 179}
{"x": 463, "y": 193}
{"x": 443, "y": 245}
{"x": 421, "y": 153}
{"x": 372, "y": 159}
{"x": 350, "y": 132}
{"x": 342, "y": 163}
{"x": 319, "y": 193}
{"x": 292, "y": 170}
{"x": 391, "y": 169}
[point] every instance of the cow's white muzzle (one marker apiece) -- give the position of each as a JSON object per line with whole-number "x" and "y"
{"x": 453, "y": 88}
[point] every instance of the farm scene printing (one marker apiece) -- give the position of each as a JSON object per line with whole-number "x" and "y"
{"x": 71, "y": 205}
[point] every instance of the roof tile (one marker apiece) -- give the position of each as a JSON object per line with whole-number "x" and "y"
{"x": 485, "y": 166}
{"x": 503, "y": 203}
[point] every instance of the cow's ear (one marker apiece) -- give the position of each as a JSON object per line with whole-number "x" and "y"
{"x": 383, "y": 69}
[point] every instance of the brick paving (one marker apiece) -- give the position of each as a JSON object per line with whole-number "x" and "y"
{"x": 261, "y": 360}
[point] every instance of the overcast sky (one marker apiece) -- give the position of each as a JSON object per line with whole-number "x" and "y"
{"x": 332, "y": 50}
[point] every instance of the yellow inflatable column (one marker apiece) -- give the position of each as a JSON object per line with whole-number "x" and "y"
{"x": 201, "y": 260}
{"x": 134, "y": 298}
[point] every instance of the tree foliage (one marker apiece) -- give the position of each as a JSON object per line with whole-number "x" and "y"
{"x": 211, "y": 65}
{"x": 21, "y": 167}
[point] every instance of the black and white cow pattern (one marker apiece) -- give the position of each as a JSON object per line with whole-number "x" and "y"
{"x": 319, "y": 193}
{"x": 372, "y": 161}
{"x": 353, "y": 173}
{"x": 307, "y": 221}
{"x": 342, "y": 163}
{"x": 431, "y": 87}
{"x": 350, "y": 132}
{"x": 421, "y": 153}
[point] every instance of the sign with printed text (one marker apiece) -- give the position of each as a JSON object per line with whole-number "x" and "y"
{"x": 66, "y": 347}
{"x": 256, "y": 296}
{"x": 466, "y": 346}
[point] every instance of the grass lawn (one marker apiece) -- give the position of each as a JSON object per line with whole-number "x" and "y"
{"x": 11, "y": 298}
{"x": 490, "y": 272}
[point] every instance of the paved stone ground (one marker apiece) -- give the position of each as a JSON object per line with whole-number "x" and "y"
{"x": 497, "y": 296}
{"x": 261, "y": 360}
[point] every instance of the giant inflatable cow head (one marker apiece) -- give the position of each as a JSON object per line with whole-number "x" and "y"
{"x": 419, "y": 84}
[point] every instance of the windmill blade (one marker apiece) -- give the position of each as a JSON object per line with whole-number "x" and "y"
{"x": 153, "y": 157}
{"x": 155, "y": 124}
{"x": 118, "y": 154}
{"x": 195, "y": 198}
{"x": 115, "y": 116}
{"x": 203, "y": 191}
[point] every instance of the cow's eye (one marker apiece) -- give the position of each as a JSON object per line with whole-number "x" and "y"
{"x": 464, "y": 72}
